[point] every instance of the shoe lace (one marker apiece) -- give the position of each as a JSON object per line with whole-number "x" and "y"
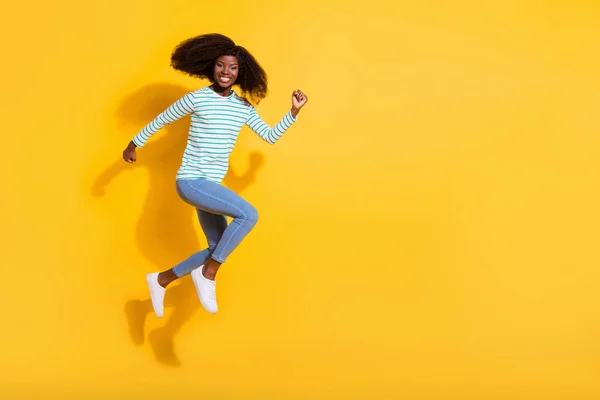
{"x": 212, "y": 291}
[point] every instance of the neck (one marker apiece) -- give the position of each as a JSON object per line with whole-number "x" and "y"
{"x": 222, "y": 91}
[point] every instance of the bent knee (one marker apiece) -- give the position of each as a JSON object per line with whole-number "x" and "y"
{"x": 251, "y": 214}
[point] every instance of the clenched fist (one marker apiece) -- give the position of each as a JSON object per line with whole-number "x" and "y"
{"x": 129, "y": 153}
{"x": 299, "y": 99}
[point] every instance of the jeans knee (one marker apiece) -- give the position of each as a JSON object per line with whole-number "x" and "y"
{"x": 251, "y": 215}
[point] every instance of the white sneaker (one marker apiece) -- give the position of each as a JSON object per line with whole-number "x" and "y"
{"x": 206, "y": 290}
{"x": 157, "y": 293}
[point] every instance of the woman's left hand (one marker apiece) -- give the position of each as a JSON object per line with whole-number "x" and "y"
{"x": 299, "y": 99}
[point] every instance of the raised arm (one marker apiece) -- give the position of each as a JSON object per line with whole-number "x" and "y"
{"x": 272, "y": 134}
{"x": 177, "y": 110}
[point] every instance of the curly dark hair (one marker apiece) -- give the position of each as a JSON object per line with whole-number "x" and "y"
{"x": 196, "y": 57}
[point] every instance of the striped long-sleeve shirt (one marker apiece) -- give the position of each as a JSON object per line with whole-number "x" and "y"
{"x": 216, "y": 122}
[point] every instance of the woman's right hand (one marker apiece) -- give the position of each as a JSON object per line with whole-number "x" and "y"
{"x": 129, "y": 153}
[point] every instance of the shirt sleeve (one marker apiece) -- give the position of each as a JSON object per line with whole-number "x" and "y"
{"x": 264, "y": 131}
{"x": 177, "y": 110}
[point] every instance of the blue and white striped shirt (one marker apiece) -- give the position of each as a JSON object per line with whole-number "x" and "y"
{"x": 216, "y": 122}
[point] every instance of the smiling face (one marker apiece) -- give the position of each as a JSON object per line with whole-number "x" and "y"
{"x": 226, "y": 71}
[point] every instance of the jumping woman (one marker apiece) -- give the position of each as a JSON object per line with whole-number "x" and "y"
{"x": 217, "y": 116}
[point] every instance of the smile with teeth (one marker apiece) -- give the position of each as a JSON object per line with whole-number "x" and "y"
{"x": 224, "y": 79}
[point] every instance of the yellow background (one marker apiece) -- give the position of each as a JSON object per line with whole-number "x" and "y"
{"x": 428, "y": 229}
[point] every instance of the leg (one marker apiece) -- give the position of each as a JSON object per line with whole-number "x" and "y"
{"x": 213, "y": 226}
{"x": 219, "y": 200}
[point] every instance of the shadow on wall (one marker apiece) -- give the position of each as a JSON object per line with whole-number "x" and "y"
{"x": 165, "y": 232}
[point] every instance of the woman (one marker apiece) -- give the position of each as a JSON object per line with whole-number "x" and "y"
{"x": 217, "y": 116}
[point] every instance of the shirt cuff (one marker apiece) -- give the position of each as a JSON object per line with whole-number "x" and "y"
{"x": 136, "y": 141}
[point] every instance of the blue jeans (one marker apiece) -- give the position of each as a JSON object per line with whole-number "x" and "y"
{"x": 213, "y": 202}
